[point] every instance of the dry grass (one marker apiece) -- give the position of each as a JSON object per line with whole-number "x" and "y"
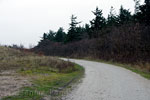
{"x": 15, "y": 59}
{"x": 42, "y": 71}
{"x": 145, "y": 67}
{"x": 7, "y": 53}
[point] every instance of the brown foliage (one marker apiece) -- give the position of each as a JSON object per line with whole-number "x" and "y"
{"x": 129, "y": 43}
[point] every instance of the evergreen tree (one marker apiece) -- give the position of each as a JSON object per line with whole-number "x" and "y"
{"x": 82, "y": 32}
{"x": 87, "y": 31}
{"x": 87, "y": 27}
{"x": 72, "y": 33}
{"x": 112, "y": 18}
{"x": 124, "y": 16}
{"x": 60, "y": 35}
{"x": 147, "y": 2}
{"x": 144, "y": 14}
{"x": 137, "y": 6}
{"x": 99, "y": 22}
{"x": 51, "y": 35}
{"x": 44, "y": 36}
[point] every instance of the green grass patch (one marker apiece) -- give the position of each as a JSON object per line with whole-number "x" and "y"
{"x": 44, "y": 72}
{"x": 44, "y": 81}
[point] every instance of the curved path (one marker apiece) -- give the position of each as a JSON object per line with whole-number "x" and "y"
{"x": 108, "y": 82}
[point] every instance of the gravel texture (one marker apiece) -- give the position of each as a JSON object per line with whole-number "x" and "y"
{"x": 108, "y": 82}
{"x": 10, "y": 83}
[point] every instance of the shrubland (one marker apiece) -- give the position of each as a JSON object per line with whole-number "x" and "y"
{"x": 44, "y": 72}
{"x": 122, "y": 38}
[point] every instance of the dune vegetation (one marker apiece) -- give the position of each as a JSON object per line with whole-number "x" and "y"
{"x": 42, "y": 73}
{"x": 119, "y": 38}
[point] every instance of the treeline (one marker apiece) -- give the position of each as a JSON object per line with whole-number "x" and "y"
{"x": 124, "y": 37}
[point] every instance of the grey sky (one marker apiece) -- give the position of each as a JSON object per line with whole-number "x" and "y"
{"x": 24, "y": 21}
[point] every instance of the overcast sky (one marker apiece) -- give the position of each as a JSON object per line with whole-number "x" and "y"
{"x": 24, "y": 21}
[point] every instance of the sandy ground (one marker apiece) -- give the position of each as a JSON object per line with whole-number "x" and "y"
{"x": 108, "y": 82}
{"x": 10, "y": 83}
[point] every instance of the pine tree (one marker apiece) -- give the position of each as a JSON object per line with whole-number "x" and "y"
{"x": 137, "y": 6}
{"x": 124, "y": 16}
{"x": 147, "y": 2}
{"x": 112, "y": 18}
{"x": 60, "y": 35}
{"x": 72, "y": 33}
{"x": 51, "y": 35}
{"x": 99, "y": 22}
{"x": 145, "y": 10}
{"x": 44, "y": 36}
{"x": 143, "y": 16}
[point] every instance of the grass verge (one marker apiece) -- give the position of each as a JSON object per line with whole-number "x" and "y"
{"x": 43, "y": 82}
{"x": 45, "y": 73}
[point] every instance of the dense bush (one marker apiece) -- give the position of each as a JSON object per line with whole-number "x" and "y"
{"x": 126, "y": 43}
{"x": 122, "y": 38}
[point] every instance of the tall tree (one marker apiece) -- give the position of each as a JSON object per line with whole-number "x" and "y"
{"x": 51, "y": 35}
{"x": 60, "y": 35}
{"x": 137, "y": 6}
{"x": 72, "y": 33}
{"x": 112, "y": 18}
{"x": 143, "y": 16}
{"x": 145, "y": 12}
{"x": 124, "y": 16}
{"x": 87, "y": 27}
{"x": 147, "y": 2}
{"x": 47, "y": 37}
{"x": 99, "y": 21}
{"x": 44, "y": 36}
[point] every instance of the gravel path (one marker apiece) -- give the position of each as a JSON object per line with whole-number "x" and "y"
{"x": 108, "y": 82}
